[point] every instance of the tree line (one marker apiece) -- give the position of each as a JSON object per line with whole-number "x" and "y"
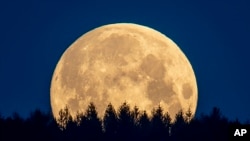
{"x": 125, "y": 124}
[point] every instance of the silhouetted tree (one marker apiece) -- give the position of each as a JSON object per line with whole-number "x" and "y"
{"x": 64, "y": 118}
{"x": 188, "y": 115}
{"x": 82, "y": 124}
{"x": 79, "y": 118}
{"x": 55, "y": 133}
{"x": 135, "y": 115}
{"x": 216, "y": 125}
{"x": 110, "y": 123}
{"x": 125, "y": 122}
{"x": 70, "y": 134}
{"x": 178, "y": 128}
{"x": 158, "y": 127}
{"x": 92, "y": 123}
{"x": 168, "y": 125}
{"x": 14, "y": 126}
{"x": 36, "y": 126}
{"x": 144, "y": 126}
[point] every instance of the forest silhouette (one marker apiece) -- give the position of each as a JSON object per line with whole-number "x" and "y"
{"x": 125, "y": 124}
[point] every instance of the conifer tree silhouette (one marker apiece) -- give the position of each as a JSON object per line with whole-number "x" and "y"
{"x": 158, "y": 127}
{"x": 110, "y": 123}
{"x": 216, "y": 125}
{"x": 178, "y": 127}
{"x": 82, "y": 125}
{"x": 125, "y": 122}
{"x": 15, "y": 126}
{"x": 188, "y": 115}
{"x": 144, "y": 126}
{"x": 93, "y": 123}
{"x": 64, "y": 118}
{"x": 36, "y": 126}
{"x": 168, "y": 125}
{"x": 135, "y": 115}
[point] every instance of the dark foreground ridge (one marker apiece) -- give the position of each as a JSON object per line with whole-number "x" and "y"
{"x": 124, "y": 125}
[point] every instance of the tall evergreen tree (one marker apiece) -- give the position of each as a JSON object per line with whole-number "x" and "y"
{"x": 82, "y": 125}
{"x": 135, "y": 115}
{"x": 178, "y": 128}
{"x": 158, "y": 127}
{"x": 168, "y": 125}
{"x": 188, "y": 115}
{"x": 144, "y": 126}
{"x": 216, "y": 125}
{"x": 93, "y": 123}
{"x": 125, "y": 122}
{"x": 79, "y": 118}
{"x": 64, "y": 118}
{"x": 37, "y": 124}
{"x": 110, "y": 123}
{"x": 15, "y": 125}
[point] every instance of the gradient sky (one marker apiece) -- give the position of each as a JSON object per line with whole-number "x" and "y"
{"x": 214, "y": 35}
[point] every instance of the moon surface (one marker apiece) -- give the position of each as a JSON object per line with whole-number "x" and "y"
{"x": 123, "y": 62}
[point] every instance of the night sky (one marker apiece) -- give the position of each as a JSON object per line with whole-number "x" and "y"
{"x": 213, "y": 34}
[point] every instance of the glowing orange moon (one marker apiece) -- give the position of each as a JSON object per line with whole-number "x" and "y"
{"x": 123, "y": 62}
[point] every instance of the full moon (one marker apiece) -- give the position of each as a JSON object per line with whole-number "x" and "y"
{"x": 123, "y": 62}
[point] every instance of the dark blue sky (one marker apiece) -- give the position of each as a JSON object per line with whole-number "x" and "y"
{"x": 214, "y": 35}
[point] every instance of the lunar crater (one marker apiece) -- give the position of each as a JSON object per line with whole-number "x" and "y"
{"x": 187, "y": 90}
{"x": 153, "y": 67}
{"x": 159, "y": 90}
